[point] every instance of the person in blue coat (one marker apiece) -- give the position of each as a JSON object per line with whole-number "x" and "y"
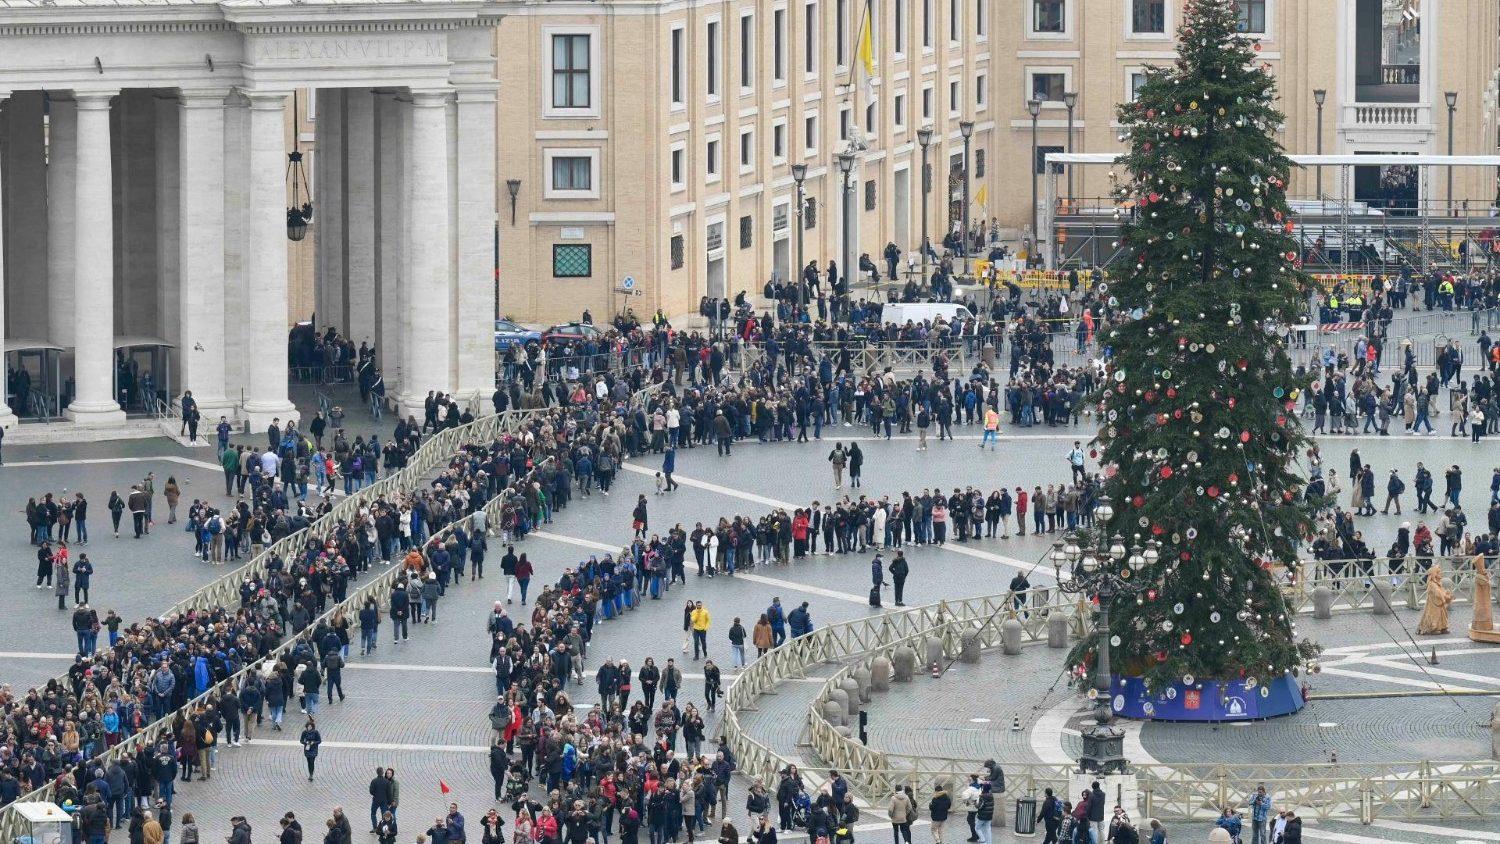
{"x": 668, "y": 466}
{"x": 201, "y": 680}
{"x": 800, "y": 621}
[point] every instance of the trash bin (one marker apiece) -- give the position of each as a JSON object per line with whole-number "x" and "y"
{"x": 1026, "y": 816}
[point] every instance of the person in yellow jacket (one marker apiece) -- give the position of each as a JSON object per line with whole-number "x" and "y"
{"x": 991, "y": 428}
{"x": 700, "y": 621}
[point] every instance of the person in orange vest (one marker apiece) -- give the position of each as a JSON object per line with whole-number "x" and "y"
{"x": 991, "y": 427}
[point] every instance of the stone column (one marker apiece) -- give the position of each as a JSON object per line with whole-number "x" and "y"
{"x": 168, "y": 242}
{"x": 359, "y": 214}
{"x": 26, "y": 156}
{"x": 389, "y": 273}
{"x": 7, "y": 417}
{"x": 331, "y": 306}
{"x": 200, "y": 256}
{"x": 137, "y": 280}
{"x": 426, "y": 361}
{"x": 94, "y": 266}
{"x": 266, "y": 266}
{"x": 475, "y": 306}
{"x": 62, "y": 172}
{"x": 238, "y": 289}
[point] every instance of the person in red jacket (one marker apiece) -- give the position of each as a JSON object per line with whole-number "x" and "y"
{"x": 1022, "y": 502}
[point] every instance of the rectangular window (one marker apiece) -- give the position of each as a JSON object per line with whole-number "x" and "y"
{"x": 778, "y": 52}
{"x": 1048, "y": 87}
{"x": 1137, "y": 81}
{"x": 747, "y": 149}
{"x": 899, "y": 33}
{"x": 778, "y": 141}
{"x": 1048, "y": 16}
{"x": 810, "y": 135}
{"x": 979, "y": 163}
{"x": 679, "y": 167}
{"x": 810, "y": 213}
{"x": 678, "y": 246}
{"x": 572, "y": 172}
{"x": 927, "y": 103}
{"x": 572, "y": 260}
{"x": 870, "y": 119}
{"x": 747, "y": 231}
{"x": 570, "y": 71}
{"x": 711, "y": 159}
{"x": 898, "y": 110}
{"x": 870, "y": 195}
{"x": 677, "y": 54}
{"x": 1041, "y": 158}
{"x": 711, "y": 55}
{"x": 979, "y": 87}
{"x": 747, "y": 52}
{"x": 840, "y": 12}
{"x": 955, "y": 102}
{"x": 810, "y": 38}
{"x": 927, "y": 23}
{"x": 844, "y": 127}
{"x": 981, "y": 19}
{"x": 1148, "y": 17}
{"x": 955, "y": 19}
{"x": 1252, "y": 15}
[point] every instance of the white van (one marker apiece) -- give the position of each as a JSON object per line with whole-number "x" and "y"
{"x": 915, "y": 312}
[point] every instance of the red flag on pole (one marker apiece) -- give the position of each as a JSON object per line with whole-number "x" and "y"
{"x": 443, "y": 787}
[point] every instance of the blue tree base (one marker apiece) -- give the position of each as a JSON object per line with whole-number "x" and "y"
{"x": 1205, "y": 700}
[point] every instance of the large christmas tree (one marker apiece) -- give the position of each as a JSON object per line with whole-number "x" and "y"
{"x": 1198, "y": 429}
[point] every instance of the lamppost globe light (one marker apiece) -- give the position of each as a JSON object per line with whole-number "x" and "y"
{"x": 846, "y": 162}
{"x": 1320, "y": 96}
{"x": 1451, "y": 97}
{"x": 1058, "y": 555}
{"x": 924, "y": 135}
{"x": 1071, "y": 549}
{"x": 1034, "y": 106}
{"x": 1090, "y": 562}
{"x": 1103, "y": 511}
{"x": 965, "y": 128}
{"x": 1137, "y": 561}
{"x": 799, "y": 171}
{"x": 1153, "y": 552}
{"x": 1070, "y": 98}
{"x": 1117, "y": 547}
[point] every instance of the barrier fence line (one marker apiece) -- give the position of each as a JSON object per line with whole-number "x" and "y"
{"x": 12, "y": 824}
{"x": 1425, "y": 789}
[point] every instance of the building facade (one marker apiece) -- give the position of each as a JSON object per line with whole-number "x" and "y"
{"x": 655, "y": 140}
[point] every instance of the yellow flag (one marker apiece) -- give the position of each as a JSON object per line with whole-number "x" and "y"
{"x": 982, "y": 195}
{"x": 866, "y": 53}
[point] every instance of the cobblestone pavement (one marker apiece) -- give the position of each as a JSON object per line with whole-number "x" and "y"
{"x": 420, "y": 706}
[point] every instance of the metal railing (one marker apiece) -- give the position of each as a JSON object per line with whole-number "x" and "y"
{"x": 1424, "y": 789}
{"x": 12, "y": 825}
{"x": 435, "y": 451}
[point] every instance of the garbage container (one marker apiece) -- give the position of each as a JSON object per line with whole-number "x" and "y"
{"x": 1026, "y": 816}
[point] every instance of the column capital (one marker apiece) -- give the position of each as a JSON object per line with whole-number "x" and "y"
{"x": 94, "y": 100}
{"x": 202, "y": 97}
{"x": 431, "y": 97}
{"x": 266, "y": 100}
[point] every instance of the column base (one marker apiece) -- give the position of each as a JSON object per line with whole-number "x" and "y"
{"x": 103, "y": 413}
{"x": 412, "y": 405}
{"x": 210, "y": 409}
{"x": 258, "y": 415}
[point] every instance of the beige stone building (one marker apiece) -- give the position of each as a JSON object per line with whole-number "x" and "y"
{"x": 654, "y": 140}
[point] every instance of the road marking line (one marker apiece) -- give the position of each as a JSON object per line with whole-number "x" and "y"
{"x": 1426, "y": 829}
{"x": 35, "y": 655}
{"x": 91, "y": 461}
{"x": 374, "y": 745}
{"x": 1395, "y": 663}
{"x": 1397, "y": 681}
{"x": 1317, "y": 834}
{"x": 1359, "y": 649}
{"x": 573, "y": 540}
{"x": 473, "y": 669}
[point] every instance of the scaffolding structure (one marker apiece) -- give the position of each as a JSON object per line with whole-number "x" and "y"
{"x": 1401, "y": 220}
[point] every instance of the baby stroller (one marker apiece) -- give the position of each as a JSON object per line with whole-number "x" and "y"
{"x": 517, "y": 781}
{"x": 801, "y": 810}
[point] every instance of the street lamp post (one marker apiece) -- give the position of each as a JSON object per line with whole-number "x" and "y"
{"x": 846, "y": 166}
{"x": 924, "y": 138}
{"x": 799, "y": 173}
{"x": 1452, "y": 99}
{"x": 1102, "y": 567}
{"x": 1034, "y": 106}
{"x": 1320, "y": 96}
{"x": 1070, "y": 99}
{"x": 966, "y": 129}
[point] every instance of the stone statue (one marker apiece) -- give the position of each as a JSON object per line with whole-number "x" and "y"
{"x": 1482, "y": 628}
{"x": 1435, "y": 615}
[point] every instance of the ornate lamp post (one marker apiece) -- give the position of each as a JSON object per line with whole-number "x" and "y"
{"x": 924, "y": 138}
{"x": 1103, "y": 568}
{"x": 966, "y": 129}
{"x": 1070, "y": 99}
{"x": 1034, "y": 107}
{"x": 846, "y": 167}
{"x": 799, "y": 174}
{"x": 1320, "y": 96}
